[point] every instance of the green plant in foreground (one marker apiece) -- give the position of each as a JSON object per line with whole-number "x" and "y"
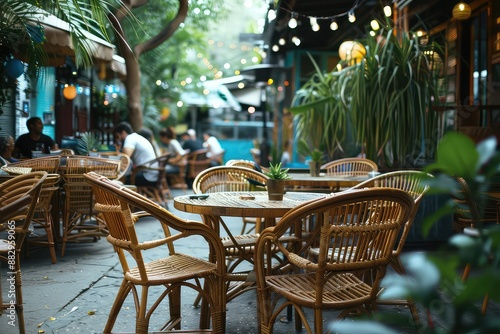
{"x": 433, "y": 280}
{"x": 276, "y": 172}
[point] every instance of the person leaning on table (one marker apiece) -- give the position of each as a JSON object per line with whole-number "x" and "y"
{"x": 139, "y": 149}
{"x": 6, "y": 150}
{"x": 34, "y": 140}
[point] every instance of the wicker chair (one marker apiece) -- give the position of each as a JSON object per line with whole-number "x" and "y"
{"x": 159, "y": 191}
{"x": 43, "y": 217}
{"x": 172, "y": 272}
{"x": 197, "y": 162}
{"x": 362, "y": 226}
{"x": 49, "y": 164}
{"x": 469, "y": 216}
{"x": 246, "y": 220}
{"x": 410, "y": 181}
{"x": 238, "y": 248}
{"x": 80, "y": 220}
{"x": 350, "y": 166}
{"x": 18, "y": 198}
{"x": 125, "y": 165}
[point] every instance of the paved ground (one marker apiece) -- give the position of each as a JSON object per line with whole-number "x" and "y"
{"x": 75, "y": 295}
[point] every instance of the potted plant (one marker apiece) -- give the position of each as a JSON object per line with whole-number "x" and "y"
{"x": 88, "y": 143}
{"x": 381, "y": 103}
{"x": 276, "y": 183}
{"x": 315, "y": 154}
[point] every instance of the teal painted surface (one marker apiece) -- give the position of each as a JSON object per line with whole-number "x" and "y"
{"x": 237, "y": 149}
{"x": 45, "y": 99}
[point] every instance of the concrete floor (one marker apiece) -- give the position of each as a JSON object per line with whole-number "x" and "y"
{"x": 76, "y": 294}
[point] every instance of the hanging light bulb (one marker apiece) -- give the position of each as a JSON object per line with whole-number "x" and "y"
{"x": 314, "y": 24}
{"x": 293, "y": 21}
{"x": 374, "y": 24}
{"x": 296, "y": 40}
{"x": 461, "y": 11}
{"x": 387, "y": 11}
{"x": 334, "y": 26}
{"x": 281, "y": 41}
{"x": 351, "y": 16}
{"x": 271, "y": 15}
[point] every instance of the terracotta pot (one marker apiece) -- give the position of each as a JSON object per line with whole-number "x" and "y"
{"x": 314, "y": 167}
{"x": 275, "y": 189}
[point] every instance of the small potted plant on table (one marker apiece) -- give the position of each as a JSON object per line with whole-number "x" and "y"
{"x": 315, "y": 154}
{"x": 276, "y": 183}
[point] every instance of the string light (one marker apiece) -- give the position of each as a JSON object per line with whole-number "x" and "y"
{"x": 314, "y": 24}
{"x": 374, "y": 24}
{"x": 334, "y": 26}
{"x": 351, "y": 17}
{"x": 293, "y": 21}
{"x": 387, "y": 11}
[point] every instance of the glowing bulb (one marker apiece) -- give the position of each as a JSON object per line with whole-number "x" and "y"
{"x": 334, "y": 26}
{"x": 281, "y": 41}
{"x": 292, "y": 23}
{"x": 374, "y": 24}
{"x": 387, "y": 11}
{"x": 352, "y": 17}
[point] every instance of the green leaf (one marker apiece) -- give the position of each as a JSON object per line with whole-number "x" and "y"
{"x": 456, "y": 156}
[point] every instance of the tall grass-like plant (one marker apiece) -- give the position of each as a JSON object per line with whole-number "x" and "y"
{"x": 320, "y": 118}
{"x": 389, "y": 95}
{"x": 384, "y": 102}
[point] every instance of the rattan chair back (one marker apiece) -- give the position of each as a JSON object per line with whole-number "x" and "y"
{"x": 350, "y": 167}
{"x": 173, "y": 271}
{"x": 241, "y": 163}
{"x": 43, "y": 216}
{"x": 49, "y": 164}
{"x": 227, "y": 178}
{"x": 80, "y": 220}
{"x": 355, "y": 232}
{"x": 411, "y": 181}
{"x": 18, "y": 199}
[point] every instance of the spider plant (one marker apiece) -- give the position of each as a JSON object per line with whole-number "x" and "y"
{"x": 383, "y": 102}
{"x": 388, "y": 95}
{"x": 88, "y": 142}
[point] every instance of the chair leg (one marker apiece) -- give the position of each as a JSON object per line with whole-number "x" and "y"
{"x": 19, "y": 297}
{"x": 122, "y": 294}
{"x": 174, "y": 298}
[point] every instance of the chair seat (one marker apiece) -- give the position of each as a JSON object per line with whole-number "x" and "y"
{"x": 175, "y": 268}
{"x": 343, "y": 290}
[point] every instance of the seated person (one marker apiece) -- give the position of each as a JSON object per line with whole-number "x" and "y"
{"x": 6, "y": 149}
{"x": 191, "y": 143}
{"x": 140, "y": 151}
{"x": 34, "y": 140}
{"x": 214, "y": 149}
{"x": 174, "y": 148}
{"x": 148, "y": 134}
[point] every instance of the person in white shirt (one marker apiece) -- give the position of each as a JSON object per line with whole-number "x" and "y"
{"x": 214, "y": 148}
{"x": 174, "y": 148}
{"x": 140, "y": 151}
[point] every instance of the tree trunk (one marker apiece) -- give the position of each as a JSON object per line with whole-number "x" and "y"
{"x": 133, "y": 80}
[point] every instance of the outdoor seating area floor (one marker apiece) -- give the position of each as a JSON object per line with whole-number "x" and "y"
{"x": 75, "y": 294}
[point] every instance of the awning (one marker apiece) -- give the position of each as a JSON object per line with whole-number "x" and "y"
{"x": 218, "y": 96}
{"x": 58, "y": 44}
{"x": 240, "y": 87}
